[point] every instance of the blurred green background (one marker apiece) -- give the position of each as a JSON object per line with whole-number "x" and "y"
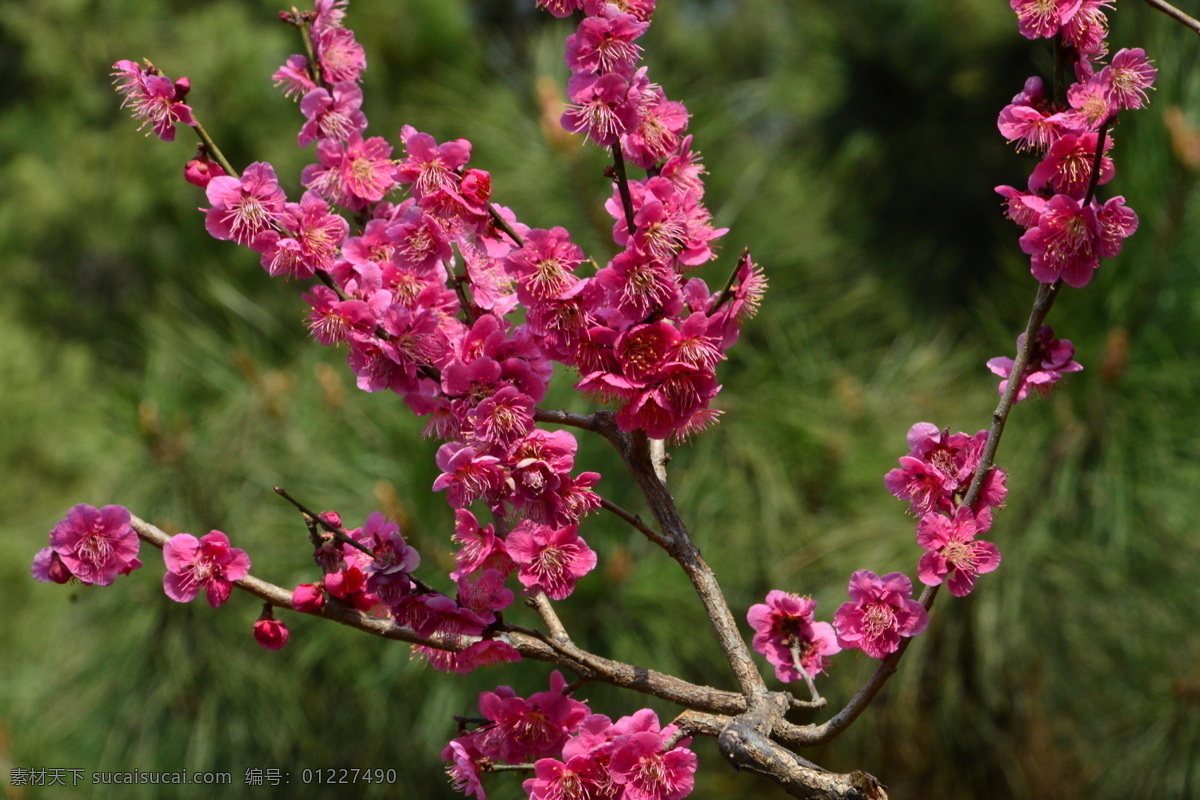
{"x": 852, "y": 145}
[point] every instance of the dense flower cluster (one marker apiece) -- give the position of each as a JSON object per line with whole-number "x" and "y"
{"x": 575, "y": 753}
{"x": 1067, "y": 229}
{"x": 443, "y": 297}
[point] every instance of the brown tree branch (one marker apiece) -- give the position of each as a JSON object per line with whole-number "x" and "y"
{"x": 586, "y": 665}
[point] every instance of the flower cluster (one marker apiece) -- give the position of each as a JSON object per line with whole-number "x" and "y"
{"x": 443, "y": 297}
{"x": 1067, "y": 229}
{"x": 934, "y": 478}
{"x": 575, "y": 753}
{"x": 640, "y": 332}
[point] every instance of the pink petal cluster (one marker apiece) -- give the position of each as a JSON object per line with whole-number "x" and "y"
{"x": 93, "y": 545}
{"x": 1067, "y": 229}
{"x": 576, "y": 754}
{"x": 953, "y": 556}
{"x": 880, "y": 613}
{"x": 938, "y": 470}
{"x": 784, "y": 632}
{"x": 1048, "y": 360}
{"x": 153, "y": 98}
{"x": 206, "y": 564}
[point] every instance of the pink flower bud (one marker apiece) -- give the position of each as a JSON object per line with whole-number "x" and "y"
{"x": 270, "y": 632}
{"x": 200, "y": 170}
{"x": 308, "y": 597}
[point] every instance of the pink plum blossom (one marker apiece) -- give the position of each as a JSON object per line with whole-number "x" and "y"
{"x": 242, "y": 208}
{"x": 1128, "y": 76}
{"x": 93, "y": 544}
{"x": 153, "y": 98}
{"x": 332, "y": 114}
{"x": 954, "y": 555}
{"x": 1048, "y": 360}
{"x": 549, "y": 559}
{"x": 521, "y": 729}
{"x": 207, "y": 564}
{"x": 604, "y": 107}
{"x": 881, "y": 611}
{"x": 784, "y": 625}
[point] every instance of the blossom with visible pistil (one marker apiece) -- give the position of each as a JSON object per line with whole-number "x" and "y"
{"x": 244, "y": 207}
{"x": 549, "y": 559}
{"x": 954, "y": 556}
{"x": 153, "y": 98}
{"x": 881, "y": 611}
{"x": 207, "y": 564}
{"x": 93, "y": 544}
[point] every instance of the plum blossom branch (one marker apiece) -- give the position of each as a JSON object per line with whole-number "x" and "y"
{"x": 587, "y": 665}
{"x": 1042, "y": 303}
{"x": 211, "y": 147}
{"x": 635, "y": 521}
{"x": 623, "y": 186}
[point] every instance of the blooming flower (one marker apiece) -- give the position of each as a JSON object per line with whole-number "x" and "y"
{"x": 881, "y": 611}
{"x": 153, "y": 98}
{"x": 1048, "y": 360}
{"x": 207, "y": 563}
{"x": 550, "y": 559}
{"x": 244, "y": 207}
{"x": 954, "y": 556}
{"x": 93, "y": 544}
{"x": 784, "y": 625}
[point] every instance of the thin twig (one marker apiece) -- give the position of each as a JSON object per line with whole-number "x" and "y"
{"x": 635, "y": 521}
{"x": 590, "y": 667}
{"x": 1175, "y": 14}
{"x": 212, "y": 148}
{"x": 623, "y": 187}
{"x": 819, "y": 734}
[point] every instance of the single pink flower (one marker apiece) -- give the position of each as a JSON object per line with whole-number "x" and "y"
{"x": 954, "y": 555}
{"x": 332, "y": 115}
{"x": 604, "y": 43}
{"x": 153, "y": 98}
{"x": 1064, "y": 242}
{"x": 784, "y": 632}
{"x": 95, "y": 544}
{"x": 521, "y": 729}
{"x": 881, "y": 611}
{"x": 640, "y": 765}
{"x": 1128, "y": 76}
{"x": 604, "y": 107}
{"x": 207, "y": 563}
{"x": 242, "y": 208}
{"x": 550, "y": 559}
{"x": 1048, "y": 360}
